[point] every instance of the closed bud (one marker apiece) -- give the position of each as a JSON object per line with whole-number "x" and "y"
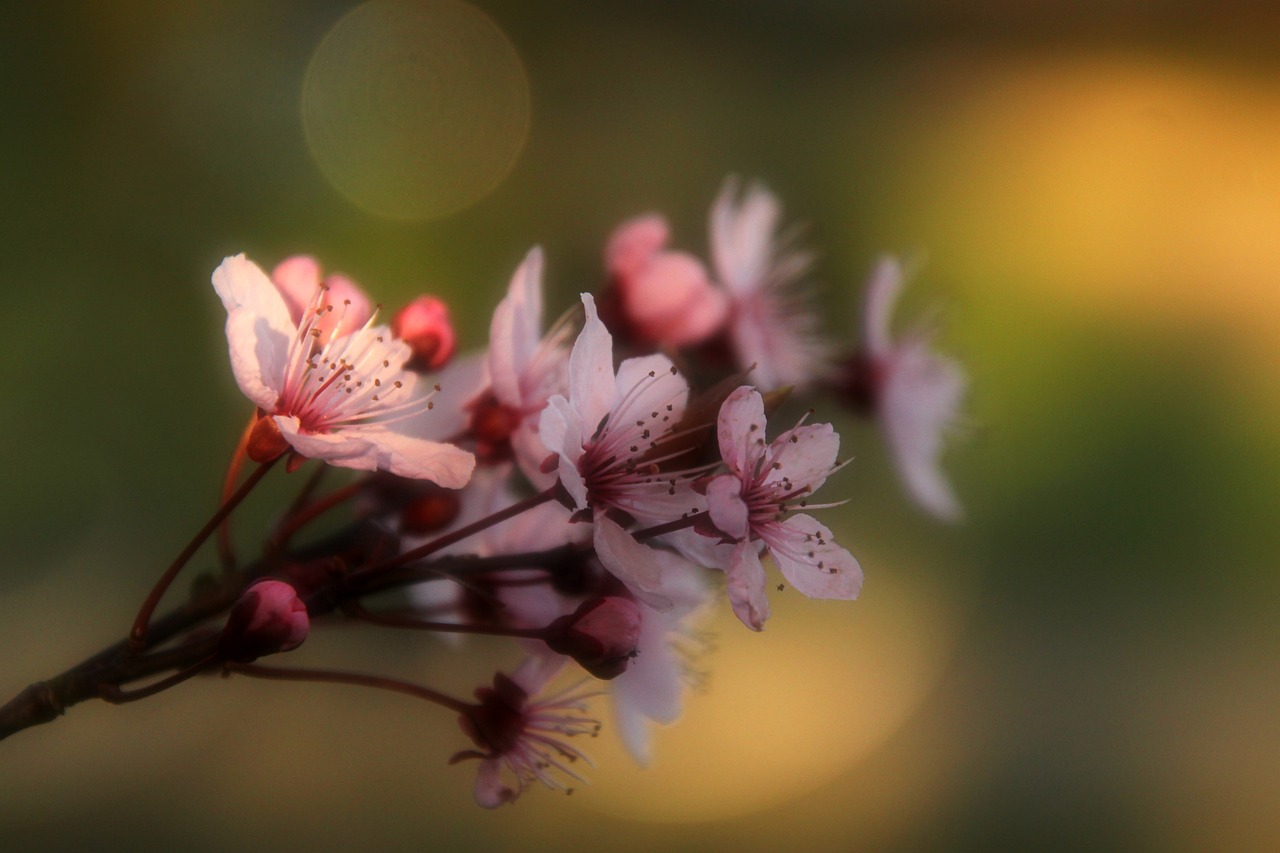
{"x": 269, "y": 617}
{"x": 424, "y": 325}
{"x": 601, "y": 635}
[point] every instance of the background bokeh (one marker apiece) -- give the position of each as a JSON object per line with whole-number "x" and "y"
{"x": 1089, "y": 662}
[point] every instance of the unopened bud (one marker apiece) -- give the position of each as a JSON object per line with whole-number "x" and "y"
{"x": 268, "y": 618}
{"x": 431, "y": 512}
{"x": 424, "y": 325}
{"x": 601, "y": 635}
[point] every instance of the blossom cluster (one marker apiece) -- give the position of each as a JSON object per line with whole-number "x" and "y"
{"x": 589, "y": 487}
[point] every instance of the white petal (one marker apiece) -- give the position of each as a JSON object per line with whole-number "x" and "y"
{"x": 373, "y": 447}
{"x": 637, "y": 565}
{"x": 259, "y": 330}
{"x": 646, "y": 394}
{"x": 491, "y": 791}
{"x": 447, "y": 418}
{"x": 591, "y": 377}
{"x": 920, "y": 401}
{"x": 649, "y": 689}
{"x": 811, "y": 561}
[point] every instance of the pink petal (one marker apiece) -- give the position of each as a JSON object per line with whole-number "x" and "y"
{"x": 633, "y": 243}
{"x": 724, "y": 502}
{"x": 515, "y": 329}
{"x": 740, "y": 428}
{"x": 259, "y": 329}
{"x": 647, "y": 393}
{"x": 297, "y": 277}
{"x": 811, "y": 561}
{"x": 650, "y": 689}
{"x": 745, "y": 581}
{"x": 490, "y": 790}
{"x": 919, "y": 405}
{"x": 881, "y": 295}
{"x": 806, "y": 454}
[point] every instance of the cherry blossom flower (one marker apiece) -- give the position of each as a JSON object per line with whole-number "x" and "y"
{"x": 327, "y": 396}
{"x": 774, "y": 331}
{"x": 609, "y": 434}
{"x": 521, "y": 739}
{"x": 914, "y": 392}
{"x": 524, "y": 368}
{"x": 666, "y": 297}
{"x": 755, "y": 503}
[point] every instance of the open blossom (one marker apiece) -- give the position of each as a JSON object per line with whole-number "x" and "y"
{"x": 666, "y": 297}
{"x": 610, "y": 435}
{"x": 521, "y": 737}
{"x": 775, "y": 333}
{"x": 524, "y": 369}
{"x": 913, "y": 391}
{"x": 326, "y": 395}
{"x": 756, "y": 501}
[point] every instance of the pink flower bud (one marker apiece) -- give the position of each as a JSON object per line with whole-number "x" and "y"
{"x": 666, "y": 297}
{"x": 298, "y": 279}
{"x": 424, "y": 325}
{"x": 601, "y": 635}
{"x": 268, "y": 618}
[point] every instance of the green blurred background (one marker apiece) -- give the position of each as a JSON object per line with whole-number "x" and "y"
{"x": 1089, "y": 662}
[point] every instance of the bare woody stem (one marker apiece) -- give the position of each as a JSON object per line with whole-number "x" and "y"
{"x": 138, "y": 635}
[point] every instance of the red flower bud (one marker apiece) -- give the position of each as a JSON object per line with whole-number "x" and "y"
{"x": 424, "y": 325}
{"x": 268, "y": 618}
{"x": 601, "y": 635}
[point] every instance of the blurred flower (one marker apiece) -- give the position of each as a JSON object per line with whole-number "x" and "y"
{"x": 424, "y": 325}
{"x": 774, "y": 331}
{"x": 520, "y": 737}
{"x": 913, "y": 391}
{"x": 299, "y": 277}
{"x": 325, "y": 395}
{"x": 666, "y": 297}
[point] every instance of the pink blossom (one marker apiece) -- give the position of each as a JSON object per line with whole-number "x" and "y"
{"x": 520, "y": 738}
{"x": 269, "y": 617}
{"x": 754, "y": 503}
{"x": 666, "y": 296}
{"x": 327, "y": 396}
{"x": 774, "y": 331}
{"x": 610, "y": 435}
{"x": 915, "y": 393}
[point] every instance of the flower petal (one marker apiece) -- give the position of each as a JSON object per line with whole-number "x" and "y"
{"x": 744, "y": 581}
{"x": 724, "y": 502}
{"x": 259, "y": 329}
{"x": 374, "y": 447}
{"x": 740, "y": 429}
{"x": 881, "y": 295}
{"x": 920, "y": 401}
{"x": 637, "y": 565}
{"x": 515, "y": 328}
{"x": 804, "y": 456}
{"x": 490, "y": 790}
{"x": 811, "y": 561}
{"x": 591, "y": 378}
